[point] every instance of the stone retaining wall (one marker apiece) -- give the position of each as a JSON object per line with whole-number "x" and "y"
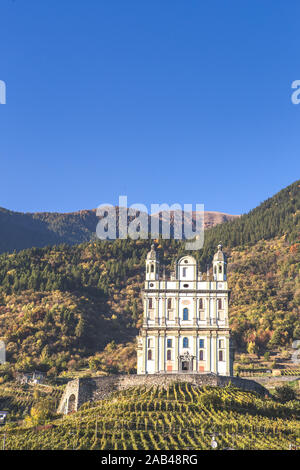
{"x": 97, "y": 388}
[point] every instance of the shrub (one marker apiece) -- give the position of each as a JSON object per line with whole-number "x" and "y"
{"x": 210, "y": 399}
{"x": 244, "y": 359}
{"x": 286, "y": 355}
{"x": 267, "y": 356}
{"x": 285, "y": 393}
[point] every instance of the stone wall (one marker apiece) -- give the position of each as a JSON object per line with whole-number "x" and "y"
{"x": 97, "y": 388}
{"x": 72, "y": 388}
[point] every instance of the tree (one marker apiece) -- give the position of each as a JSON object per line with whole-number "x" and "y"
{"x": 285, "y": 393}
{"x": 251, "y": 347}
{"x": 40, "y": 413}
{"x": 79, "y": 330}
{"x": 267, "y": 356}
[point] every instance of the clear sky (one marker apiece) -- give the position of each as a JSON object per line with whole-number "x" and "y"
{"x": 160, "y": 100}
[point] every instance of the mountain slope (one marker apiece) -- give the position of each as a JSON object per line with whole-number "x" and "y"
{"x": 25, "y": 230}
{"x": 279, "y": 215}
{"x": 63, "y": 306}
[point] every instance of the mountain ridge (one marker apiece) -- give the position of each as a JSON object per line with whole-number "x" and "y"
{"x": 21, "y": 230}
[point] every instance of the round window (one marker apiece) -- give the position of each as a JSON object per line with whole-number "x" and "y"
{"x": 185, "y": 285}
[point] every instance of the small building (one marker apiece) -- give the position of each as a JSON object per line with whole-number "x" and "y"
{"x": 22, "y": 377}
{"x": 185, "y": 324}
{"x": 3, "y": 415}
{"x": 35, "y": 377}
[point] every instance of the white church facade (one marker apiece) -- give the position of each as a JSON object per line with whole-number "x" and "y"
{"x": 185, "y": 324}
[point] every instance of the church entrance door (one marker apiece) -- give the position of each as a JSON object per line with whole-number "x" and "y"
{"x": 185, "y": 362}
{"x": 185, "y": 366}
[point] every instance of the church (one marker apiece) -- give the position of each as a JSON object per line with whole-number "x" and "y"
{"x": 185, "y": 324}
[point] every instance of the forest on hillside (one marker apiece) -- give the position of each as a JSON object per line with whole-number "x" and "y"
{"x": 63, "y": 307}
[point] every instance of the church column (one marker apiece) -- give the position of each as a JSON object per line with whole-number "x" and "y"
{"x": 215, "y": 361}
{"x": 215, "y": 310}
{"x": 195, "y": 352}
{"x": 163, "y": 351}
{"x": 156, "y": 352}
{"x": 156, "y": 311}
{"x": 177, "y": 350}
{"x": 207, "y": 311}
{"x": 163, "y": 313}
{"x": 208, "y": 352}
{"x": 177, "y": 310}
{"x": 195, "y": 311}
{"x": 227, "y": 355}
{"x": 226, "y": 309}
{"x": 145, "y": 318}
{"x": 143, "y": 371}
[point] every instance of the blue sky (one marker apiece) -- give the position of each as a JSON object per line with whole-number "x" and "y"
{"x": 162, "y": 101}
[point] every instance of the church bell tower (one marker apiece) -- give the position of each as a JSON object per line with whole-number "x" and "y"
{"x": 152, "y": 265}
{"x": 219, "y": 265}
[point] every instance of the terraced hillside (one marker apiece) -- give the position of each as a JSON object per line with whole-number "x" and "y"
{"x": 20, "y": 399}
{"x": 182, "y": 416}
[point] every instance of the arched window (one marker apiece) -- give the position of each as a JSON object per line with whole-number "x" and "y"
{"x": 149, "y": 355}
{"x": 150, "y": 304}
{"x": 200, "y": 304}
{"x": 201, "y": 355}
{"x": 219, "y": 304}
{"x": 169, "y": 303}
{"x": 185, "y": 342}
{"x": 220, "y": 268}
{"x": 152, "y": 268}
{"x": 185, "y": 313}
{"x": 169, "y": 355}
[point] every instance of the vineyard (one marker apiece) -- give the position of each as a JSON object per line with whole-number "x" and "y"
{"x": 20, "y": 399}
{"x": 290, "y": 372}
{"x": 183, "y": 416}
{"x": 267, "y": 372}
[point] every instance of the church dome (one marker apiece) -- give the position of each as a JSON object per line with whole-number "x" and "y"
{"x": 152, "y": 255}
{"x": 220, "y": 256}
